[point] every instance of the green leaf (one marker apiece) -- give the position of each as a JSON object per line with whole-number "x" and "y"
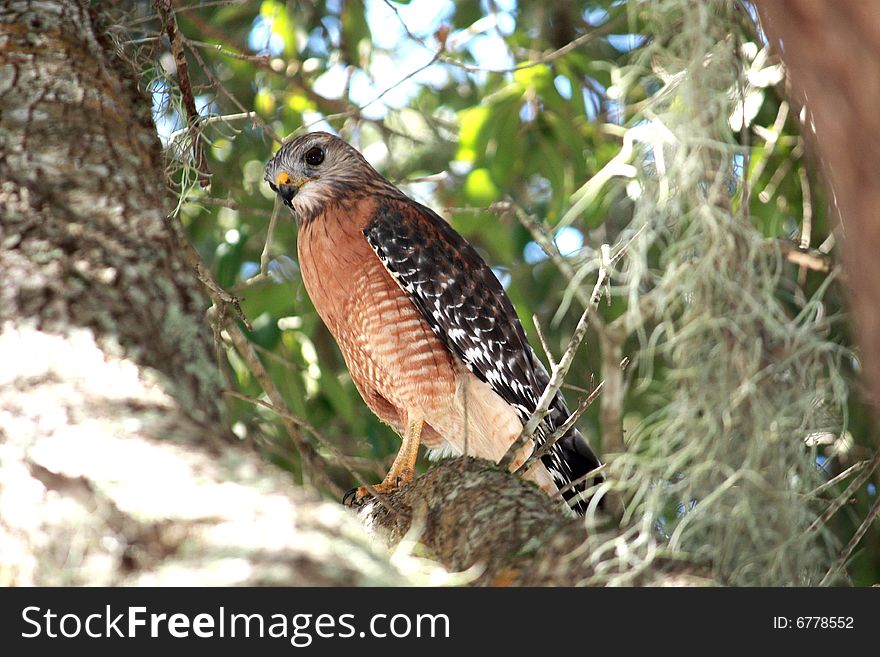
{"x": 479, "y": 188}
{"x": 471, "y": 134}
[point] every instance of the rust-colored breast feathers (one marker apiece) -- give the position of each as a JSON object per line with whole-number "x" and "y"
{"x": 394, "y": 358}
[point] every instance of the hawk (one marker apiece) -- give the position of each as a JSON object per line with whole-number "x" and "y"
{"x": 431, "y": 339}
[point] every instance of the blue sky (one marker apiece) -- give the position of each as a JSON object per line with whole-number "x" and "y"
{"x": 397, "y": 55}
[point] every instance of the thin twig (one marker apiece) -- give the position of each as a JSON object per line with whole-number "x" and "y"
{"x": 853, "y": 542}
{"x": 256, "y": 279}
{"x": 851, "y": 470}
{"x": 313, "y": 463}
{"x": 560, "y": 494}
{"x": 543, "y": 240}
{"x": 200, "y": 5}
{"x": 264, "y": 256}
{"x": 771, "y": 139}
{"x": 806, "y": 224}
{"x": 582, "y": 406}
{"x": 543, "y": 340}
{"x": 281, "y": 360}
{"x": 349, "y": 463}
{"x": 808, "y": 260}
{"x": 403, "y": 24}
{"x": 269, "y": 132}
{"x": 355, "y": 111}
{"x": 262, "y": 60}
{"x": 166, "y": 13}
{"x": 557, "y": 374}
{"x": 542, "y": 59}
{"x": 545, "y": 58}
{"x": 844, "y": 497}
{"x": 227, "y": 203}
{"x": 217, "y": 293}
{"x": 217, "y": 118}
{"x": 826, "y": 246}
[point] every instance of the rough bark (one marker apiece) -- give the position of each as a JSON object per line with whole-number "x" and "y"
{"x": 83, "y": 224}
{"x": 832, "y": 53}
{"x": 470, "y": 514}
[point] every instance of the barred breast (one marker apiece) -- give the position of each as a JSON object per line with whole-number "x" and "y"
{"x": 395, "y": 360}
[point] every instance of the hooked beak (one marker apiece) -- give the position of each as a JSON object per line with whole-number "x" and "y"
{"x": 285, "y": 187}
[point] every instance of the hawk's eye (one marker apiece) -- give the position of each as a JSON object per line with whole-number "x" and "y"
{"x": 314, "y": 156}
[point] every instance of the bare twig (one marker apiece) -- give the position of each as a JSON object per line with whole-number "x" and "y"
{"x": 201, "y": 5}
{"x": 227, "y": 203}
{"x": 217, "y": 118}
{"x": 851, "y": 470}
{"x": 253, "y": 281}
{"x": 403, "y": 24}
{"x": 545, "y": 58}
{"x": 806, "y": 225}
{"x": 264, "y": 256}
{"x": 560, "y": 494}
{"x": 543, "y": 240}
{"x": 854, "y": 541}
{"x": 769, "y": 191}
{"x": 217, "y": 293}
{"x": 812, "y": 259}
{"x": 269, "y": 132}
{"x": 557, "y": 374}
{"x": 543, "y": 340}
{"x": 844, "y": 497}
{"x": 809, "y": 261}
{"x": 349, "y": 463}
{"x": 262, "y": 60}
{"x": 355, "y": 111}
{"x": 826, "y": 246}
{"x": 313, "y": 463}
{"x": 582, "y": 406}
{"x": 771, "y": 139}
{"x": 165, "y": 10}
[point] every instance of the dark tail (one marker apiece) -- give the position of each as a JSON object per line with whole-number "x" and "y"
{"x": 571, "y": 458}
{"x": 580, "y": 459}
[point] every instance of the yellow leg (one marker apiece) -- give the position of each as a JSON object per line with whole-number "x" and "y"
{"x": 403, "y": 470}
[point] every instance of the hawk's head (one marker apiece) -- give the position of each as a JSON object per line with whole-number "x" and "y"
{"x": 317, "y": 169}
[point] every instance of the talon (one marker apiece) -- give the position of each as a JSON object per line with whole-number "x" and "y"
{"x": 356, "y": 496}
{"x": 351, "y": 497}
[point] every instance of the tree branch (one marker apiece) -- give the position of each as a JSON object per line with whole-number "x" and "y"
{"x": 169, "y": 22}
{"x": 469, "y": 513}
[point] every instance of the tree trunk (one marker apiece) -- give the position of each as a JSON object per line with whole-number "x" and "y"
{"x": 832, "y": 53}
